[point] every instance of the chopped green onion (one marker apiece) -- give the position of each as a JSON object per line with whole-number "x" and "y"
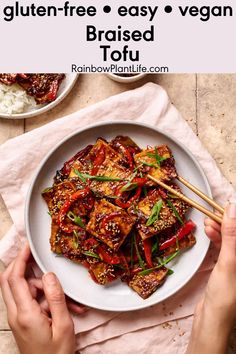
{"x": 76, "y": 234}
{"x": 155, "y": 247}
{"x": 75, "y": 239}
{"x": 80, "y": 175}
{"x": 132, "y": 176}
{"x": 59, "y": 204}
{"x": 157, "y": 157}
{"x": 172, "y": 196}
{"x": 137, "y": 167}
{"x": 145, "y": 191}
{"x": 47, "y": 190}
{"x": 118, "y": 267}
{"x": 91, "y": 254}
{"x": 155, "y": 213}
{"x": 170, "y": 271}
{"x": 76, "y": 219}
{"x": 148, "y": 164}
{"x": 49, "y": 213}
{"x": 141, "y": 262}
{"x": 84, "y": 176}
{"x": 166, "y": 261}
{"x": 175, "y": 211}
{"x": 129, "y": 187}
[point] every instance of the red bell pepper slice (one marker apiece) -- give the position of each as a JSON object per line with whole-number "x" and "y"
{"x": 88, "y": 203}
{"x": 126, "y": 205}
{"x": 147, "y": 245}
{"x": 129, "y": 157}
{"x": 126, "y": 151}
{"x": 136, "y": 270}
{"x": 183, "y": 231}
{"x": 124, "y": 262}
{"x": 90, "y": 242}
{"x": 100, "y": 157}
{"x": 109, "y": 217}
{"x": 82, "y": 193}
{"x": 106, "y": 257}
{"x": 68, "y": 164}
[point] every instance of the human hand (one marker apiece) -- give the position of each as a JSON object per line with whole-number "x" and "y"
{"x": 215, "y": 314}
{"x": 221, "y": 288}
{"x": 38, "y": 327}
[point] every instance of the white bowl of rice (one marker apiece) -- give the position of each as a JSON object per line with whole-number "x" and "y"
{"x": 14, "y": 100}
{"x": 16, "y": 104}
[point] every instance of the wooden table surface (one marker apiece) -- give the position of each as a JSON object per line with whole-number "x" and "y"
{"x": 207, "y": 102}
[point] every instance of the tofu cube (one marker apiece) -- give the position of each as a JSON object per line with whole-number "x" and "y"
{"x": 146, "y": 285}
{"x": 115, "y": 230}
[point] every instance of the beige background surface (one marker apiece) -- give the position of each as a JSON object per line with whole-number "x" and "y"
{"x": 207, "y": 102}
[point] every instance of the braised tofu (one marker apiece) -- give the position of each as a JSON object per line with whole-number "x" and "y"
{"x": 146, "y": 285}
{"x": 104, "y": 273}
{"x": 66, "y": 244}
{"x": 56, "y": 195}
{"x": 102, "y": 146}
{"x": 110, "y": 217}
{"x": 158, "y": 162}
{"x": 71, "y": 248}
{"x": 124, "y": 141}
{"x": 126, "y": 147}
{"x": 186, "y": 242}
{"x": 54, "y": 236}
{"x": 113, "y": 170}
{"x": 110, "y": 224}
{"x": 165, "y": 219}
{"x": 77, "y": 165}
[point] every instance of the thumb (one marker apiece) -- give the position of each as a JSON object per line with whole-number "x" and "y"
{"x": 228, "y": 231}
{"x": 56, "y": 300}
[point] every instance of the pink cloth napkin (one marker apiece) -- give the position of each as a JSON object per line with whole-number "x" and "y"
{"x": 143, "y": 331}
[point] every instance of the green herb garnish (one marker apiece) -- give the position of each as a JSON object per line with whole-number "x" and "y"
{"x": 166, "y": 261}
{"x": 49, "y": 213}
{"x": 155, "y": 247}
{"x": 141, "y": 262}
{"x": 84, "y": 176}
{"x": 157, "y": 157}
{"x": 91, "y": 254}
{"x": 80, "y": 175}
{"x": 175, "y": 211}
{"x": 155, "y": 213}
{"x": 47, "y": 190}
{"x": 76, "y": 219}
{"x": 148, "y": 164}
{"x": 59, "y": 205}
{"x": 172, "y": 196}
{"x": 75, "y": 239}
{"x": 145, "y": 191}
{"x": 170, "y": 271}
{"x": 129, "y": 187}
{"x": 137, "y": 167}
{"x": 118, "y": 267}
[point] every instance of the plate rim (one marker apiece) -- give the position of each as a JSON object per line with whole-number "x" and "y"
{"x": 51, "y": 152}
{"x": 45, "y": 108}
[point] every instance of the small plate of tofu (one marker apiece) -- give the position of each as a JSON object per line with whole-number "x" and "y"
{"x": 117, "y": 240}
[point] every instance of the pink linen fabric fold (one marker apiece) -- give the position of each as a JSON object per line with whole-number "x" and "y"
{"x": 144, "y": 331}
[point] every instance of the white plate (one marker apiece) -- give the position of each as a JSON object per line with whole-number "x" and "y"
{"x": 74, "y": 278}
{"x": 64, "y": 89}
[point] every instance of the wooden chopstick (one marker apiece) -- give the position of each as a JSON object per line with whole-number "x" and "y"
{"x": 191, "y": 202}
{"x": 201, "y": 194}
